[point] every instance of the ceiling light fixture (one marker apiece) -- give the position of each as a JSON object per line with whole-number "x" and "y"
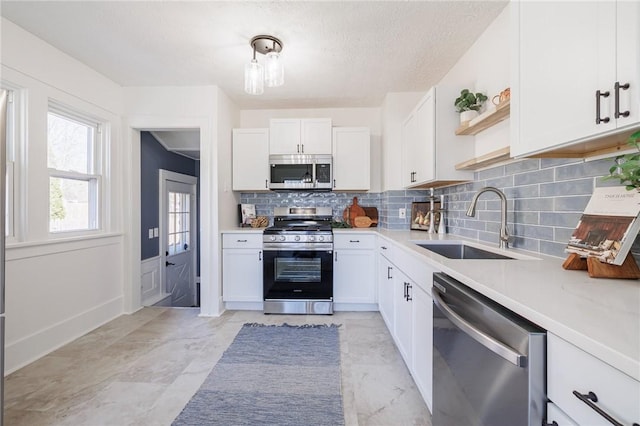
{"x": 255, "y": 75}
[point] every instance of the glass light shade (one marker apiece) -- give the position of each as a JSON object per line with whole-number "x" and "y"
{"x": 254, "y": 78}
{"x": 274, "y": 70}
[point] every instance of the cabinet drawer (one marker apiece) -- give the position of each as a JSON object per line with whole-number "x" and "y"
{"x": 241, "y": 240}
{"x": 571, "y": 369}
{"x": 354, "y": 241}
{"x": 416, "y": 269}
{"x": 386, "y": 249}
{"x": 555, "y": 416}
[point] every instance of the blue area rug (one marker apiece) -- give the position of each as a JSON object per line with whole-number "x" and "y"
{"x": 272, "y": 375}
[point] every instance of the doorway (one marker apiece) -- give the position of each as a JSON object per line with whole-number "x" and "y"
{"x": 178, "y": 231}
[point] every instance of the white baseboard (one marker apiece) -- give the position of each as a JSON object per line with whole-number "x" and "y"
{"x": 358, "y": 307}
{"x": 244, "y": 306}
{"x": 30, "y": 348}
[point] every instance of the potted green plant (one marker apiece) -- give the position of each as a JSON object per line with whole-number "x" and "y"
{"x": 627, "y": 167}
{"x": 468, "y": 104}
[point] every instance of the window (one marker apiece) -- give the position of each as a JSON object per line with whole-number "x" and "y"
{"x": 178, "y": 217}
{"x": 73, "y": 147}
{"x": 10, "y": 178}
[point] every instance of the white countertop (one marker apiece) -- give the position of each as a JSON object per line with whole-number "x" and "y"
{"x": 601, "y": 316}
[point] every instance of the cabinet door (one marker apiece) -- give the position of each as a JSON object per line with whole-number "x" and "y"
{"x": 242, "y": 275}
{"x": 351, "y": 158}
{"x": 424, "y": 146}
{"x": 629, "y": 61}
{"x": 566, "y": 52}
{"x": 354, "y": 276}
{"x": 284, "y": 136}
{"x": 403, "y": 320}
{"x": 250, "y": 159}
{"x": 423, "y": 343}
{"x": 315, "y": 136}
{"x": 409, "y": 135}
{"x": 386, "y": 271}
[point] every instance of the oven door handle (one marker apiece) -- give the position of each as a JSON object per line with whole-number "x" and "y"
{"x": 484, "y": 339}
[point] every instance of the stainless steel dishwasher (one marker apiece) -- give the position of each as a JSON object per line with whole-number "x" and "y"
{"x": 489, "y": 364}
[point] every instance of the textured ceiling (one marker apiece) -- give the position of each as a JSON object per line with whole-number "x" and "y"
{"x": 336, "y": 54}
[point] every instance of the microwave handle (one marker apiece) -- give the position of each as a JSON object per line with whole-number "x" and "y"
{"x": 314, "y": 177}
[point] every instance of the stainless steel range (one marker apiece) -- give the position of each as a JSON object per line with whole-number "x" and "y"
{"x": 298, "y": 262}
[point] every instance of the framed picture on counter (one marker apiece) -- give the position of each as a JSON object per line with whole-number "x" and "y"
{"x": 420, "y": 217}
{"x": 246, "y": 214}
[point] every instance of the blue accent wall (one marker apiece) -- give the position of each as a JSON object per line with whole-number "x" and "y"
{"x": 153, "y": 157}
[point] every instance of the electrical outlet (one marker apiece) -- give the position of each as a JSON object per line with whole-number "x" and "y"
{"x": 402, "y": 213}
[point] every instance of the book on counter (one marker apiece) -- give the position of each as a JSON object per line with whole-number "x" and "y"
{"x": 608, "y": 226}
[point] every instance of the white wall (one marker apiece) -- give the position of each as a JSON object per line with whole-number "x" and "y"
{"x": 395, "y": 109}
{"x": 160, "y": 108}
{"x": 340, "y": 117}
{"x": 57, "y": 290}
{"x": 485, "y": 67}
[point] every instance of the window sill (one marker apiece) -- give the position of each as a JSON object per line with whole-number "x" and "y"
{"x": 23, "y": 250}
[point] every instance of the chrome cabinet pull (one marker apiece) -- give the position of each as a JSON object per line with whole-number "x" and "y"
{"x": 260, "y": 255}
{"x": 383, "y": 247}
{"x": 599, "y": 95}
{"x": 266, "y": 183}
{"x": 354, "y": 241}
{"x": 336, "y": 257}
{"x": 617, "y": 87}
{"x": 590, "y": 399}
{"x": 389, "y": 268}
{"x": 409, "y": 287}
{"x": 484, "y": 339}
{"x": 298, "y": 148}
{"x": 302, "y": 148}
{"x": 241, "y": 241}
{"x": 553, "y": 423}
{"x": 334, "y": 183}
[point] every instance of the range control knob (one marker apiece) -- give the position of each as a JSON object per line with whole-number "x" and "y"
{"x": 311, "y": 238}
{"x": 297, "y": 238}
{"x": 272, "y": 237}
{"x": 320, "y": 238}
{"x": 282, "y": 238}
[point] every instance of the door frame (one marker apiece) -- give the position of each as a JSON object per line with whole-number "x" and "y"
{"x": 164, "y": 176}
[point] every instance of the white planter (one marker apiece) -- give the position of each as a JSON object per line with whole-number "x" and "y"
{"x": 466, "y": 116}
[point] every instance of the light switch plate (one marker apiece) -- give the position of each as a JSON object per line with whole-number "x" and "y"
{"x": 156, "y": 232}
{"x": 150, "y": 233}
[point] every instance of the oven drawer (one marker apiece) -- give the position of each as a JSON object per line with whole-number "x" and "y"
{"x": 571, "y": 369}
{"x": 354, "y": 241}
{"x": 241, "y": 240}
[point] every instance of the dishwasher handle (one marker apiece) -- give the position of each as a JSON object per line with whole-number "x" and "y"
{"x": 484, "y": 339}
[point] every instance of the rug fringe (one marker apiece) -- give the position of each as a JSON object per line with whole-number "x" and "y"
{"x": 257, "y": 324}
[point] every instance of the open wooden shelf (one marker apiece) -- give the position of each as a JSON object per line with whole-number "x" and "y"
{"x": 486, "y": 120}
{"x": 485, "y": 160}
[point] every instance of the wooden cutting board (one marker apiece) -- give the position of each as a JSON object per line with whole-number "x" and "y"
{"x": 372, "y": 213}
{"x": 362, "y": 222}
{"x": 355, "y": 210}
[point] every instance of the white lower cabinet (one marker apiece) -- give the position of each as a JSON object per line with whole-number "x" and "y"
{"x": 403, "y": 321}
{"x": 587, "y": 389}
{"x": 404, "y": 300}
{"x": 242, "y": 267}
{"x": 555, "y": 416}
{"x": 354, "y": 269}
{"x": 386, "y": 272}
{"x": 423, "y": 342}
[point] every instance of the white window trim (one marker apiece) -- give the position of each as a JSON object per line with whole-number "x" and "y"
{"x": 16, "y": 113}
{"x": 97, "y": 197}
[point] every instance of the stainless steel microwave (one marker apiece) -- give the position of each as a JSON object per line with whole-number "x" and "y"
{"x": 300, "y": 172}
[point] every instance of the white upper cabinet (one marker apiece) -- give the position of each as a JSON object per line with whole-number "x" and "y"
{"x": 250, "y": 159}
{"x": 351, "y": 159}
{"x": 300, "y": 136}
{"x": 571, "y": 62}
{"x": 430, "y": 148}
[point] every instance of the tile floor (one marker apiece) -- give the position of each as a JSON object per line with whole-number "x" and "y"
{"x": 141, "y": 369}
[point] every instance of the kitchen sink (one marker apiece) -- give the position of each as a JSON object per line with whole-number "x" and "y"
{"x": 461, "y": 251}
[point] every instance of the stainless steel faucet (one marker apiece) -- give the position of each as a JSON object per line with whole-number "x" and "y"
{"x": 504, "y": 234}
